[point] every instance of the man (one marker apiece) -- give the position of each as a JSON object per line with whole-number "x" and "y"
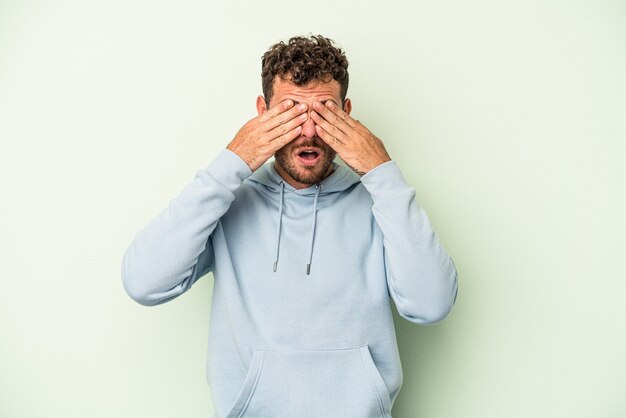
{"x": 305, "y": 251}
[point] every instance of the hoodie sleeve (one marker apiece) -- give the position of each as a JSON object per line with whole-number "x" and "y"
{"x": 174, "y": 250}
{"x": 421, "y": 276}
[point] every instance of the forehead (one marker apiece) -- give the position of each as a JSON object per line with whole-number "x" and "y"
{"x": 314, "y": 91}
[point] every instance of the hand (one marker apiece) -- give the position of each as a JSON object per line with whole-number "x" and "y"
{"x": 356, "y": 145}
{"x": 262, "y": 136}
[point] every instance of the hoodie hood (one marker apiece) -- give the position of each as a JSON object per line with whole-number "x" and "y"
{"x": 273, "y": 187}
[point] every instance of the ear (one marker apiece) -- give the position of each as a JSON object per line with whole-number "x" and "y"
{"x": 260, "y": 105}
{"x": 347, "y": 106}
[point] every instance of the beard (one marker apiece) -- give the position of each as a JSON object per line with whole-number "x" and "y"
{"x": 286, "y": 157}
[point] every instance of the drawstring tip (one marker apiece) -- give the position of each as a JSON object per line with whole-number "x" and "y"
{"x": 308, "y": 269}
{"x": 275, "y": 263}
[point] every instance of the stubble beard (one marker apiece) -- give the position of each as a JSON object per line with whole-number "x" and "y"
{"x": 306, "y": 174}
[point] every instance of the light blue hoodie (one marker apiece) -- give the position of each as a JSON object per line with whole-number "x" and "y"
{"x": 301, "y": 324}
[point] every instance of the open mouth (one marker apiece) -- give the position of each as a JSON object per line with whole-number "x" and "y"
{"x": 309, "y": 156}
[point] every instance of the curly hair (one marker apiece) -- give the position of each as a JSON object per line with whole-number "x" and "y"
{"x": 303, "y": 60}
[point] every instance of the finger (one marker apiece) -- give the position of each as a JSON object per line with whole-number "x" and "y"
{"x": 278, "y": 109}
{"x": 287, "y": 126}
{"x": 331, "y": 140}
{"x": 329, "y": 127}
{"x": 285, "y": 116}
{"x": 286, "y": 138}
{"x": 331, "y": 119}
{"x": 333, "y": 113}
{"x": 342, "y": 114}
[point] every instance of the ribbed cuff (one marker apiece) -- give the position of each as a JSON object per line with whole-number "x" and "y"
{"x": 384, "y": 179}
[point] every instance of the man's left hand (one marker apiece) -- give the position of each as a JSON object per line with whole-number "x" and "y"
{"x": 356, "y": 145}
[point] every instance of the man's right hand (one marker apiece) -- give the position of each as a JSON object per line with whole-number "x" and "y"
{"x": 262, "y": 136}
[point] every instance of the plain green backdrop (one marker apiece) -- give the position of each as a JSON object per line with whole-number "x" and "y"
{"x": 509, "y": 119}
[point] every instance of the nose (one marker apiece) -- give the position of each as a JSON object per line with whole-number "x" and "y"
{"x": 308, "y": 128}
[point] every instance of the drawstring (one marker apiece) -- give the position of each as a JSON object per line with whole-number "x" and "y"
{"x": 317, "y": 193}
{"x": 280, "y": 217}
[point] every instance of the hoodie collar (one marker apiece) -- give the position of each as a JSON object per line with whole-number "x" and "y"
{"x": 339, "y": 180}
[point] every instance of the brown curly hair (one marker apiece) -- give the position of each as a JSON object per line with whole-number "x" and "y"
{"x": 303, "y": 60}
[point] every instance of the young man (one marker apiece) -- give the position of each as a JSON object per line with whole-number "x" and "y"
{"x": 305, "y": 251}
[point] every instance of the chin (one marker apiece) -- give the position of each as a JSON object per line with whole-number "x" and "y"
{"x": 304, "y": 172}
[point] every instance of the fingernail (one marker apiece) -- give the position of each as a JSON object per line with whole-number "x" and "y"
{"x": 330, "y": 104}
{"x": 302, "y": 106}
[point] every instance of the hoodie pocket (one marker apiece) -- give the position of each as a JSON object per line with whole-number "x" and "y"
{"x": 321, "y": 383}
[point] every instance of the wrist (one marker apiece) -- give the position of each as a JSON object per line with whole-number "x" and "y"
{"x": 245, "y": 156}
{"x": 376, "y": 163}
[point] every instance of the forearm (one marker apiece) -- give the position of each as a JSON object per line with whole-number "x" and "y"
{"x": 421, "y": 276}
{"x": 170, "y": 253}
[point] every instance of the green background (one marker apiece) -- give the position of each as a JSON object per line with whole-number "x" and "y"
{"x": 509, "y": 119}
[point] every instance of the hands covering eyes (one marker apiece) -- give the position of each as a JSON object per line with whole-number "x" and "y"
{"x": 265, "y": 134}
